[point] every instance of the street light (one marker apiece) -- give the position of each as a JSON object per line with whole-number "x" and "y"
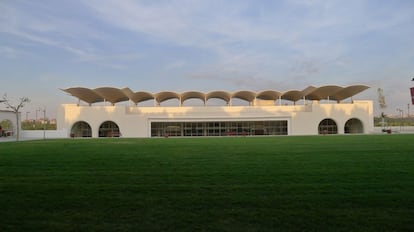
{"x": 401, "y": 113}
{"x": 44, "y": 123}
{"x": 37, "y": 110}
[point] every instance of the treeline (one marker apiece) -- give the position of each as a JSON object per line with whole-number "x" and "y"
{"x": 31, "y": 125}
{"x": 394, "y": 121}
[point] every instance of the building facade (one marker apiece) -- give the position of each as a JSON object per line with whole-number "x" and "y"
{"x": 312, "y": 111}
{"x": 8, "y": 123}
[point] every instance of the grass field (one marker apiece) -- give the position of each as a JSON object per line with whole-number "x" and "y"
{"x": 314, "y": 183}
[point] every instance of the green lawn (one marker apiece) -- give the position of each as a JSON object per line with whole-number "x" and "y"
{"x": 314, "y": 183}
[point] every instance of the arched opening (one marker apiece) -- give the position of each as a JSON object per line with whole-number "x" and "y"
{"x": 109, "y": 129}
{"x": 354, "y": 126}
{"x": 216, "y": 102}
{"x": 240, "y": 102}
{"x": 193, "y": 102}
{"x": 173, "y": 102}
{"x": 81, "y": 129}
{"x": 327, "y": 126}
{"x": 6, "y": 128}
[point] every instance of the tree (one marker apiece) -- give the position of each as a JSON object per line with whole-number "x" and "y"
{"x": 15, "y": 109}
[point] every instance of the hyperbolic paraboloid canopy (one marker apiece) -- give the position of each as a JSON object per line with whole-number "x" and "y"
{"x": 115, "y": 95}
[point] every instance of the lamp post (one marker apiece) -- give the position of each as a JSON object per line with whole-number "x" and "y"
{"x": 35, "y": 124}
{"x": 401, "y": 113}
{"x": 44, "y": 123}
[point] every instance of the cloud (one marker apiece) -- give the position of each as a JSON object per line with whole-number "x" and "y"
{"x": 247, "y": 44}
{"x": 25, "y": 27}
{"x": 9, "y": 52}
{"x": 69, "y": 35}
{"x": 185, "y": 23}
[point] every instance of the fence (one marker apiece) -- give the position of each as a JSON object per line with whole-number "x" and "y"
{"x": 40, "y": 134}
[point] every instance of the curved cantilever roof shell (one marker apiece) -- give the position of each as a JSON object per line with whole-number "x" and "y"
{"x": 193, "y": 94}
{"x": 269, "y": 95}
{"x": 165, "y": 96}
{"x": 137, "y": 96}
{"x": 349, "y": 92}
{"x": 244, "y": 95}
{"x": 223, "y": 95}
{"x": 324, "y": 92}
{"x": 115, "y": 95}
{"x": 292, "y": 95}
{"x": 84, "y": 94}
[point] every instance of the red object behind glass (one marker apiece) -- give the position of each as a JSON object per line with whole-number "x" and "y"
{"x": 412, "y": 95}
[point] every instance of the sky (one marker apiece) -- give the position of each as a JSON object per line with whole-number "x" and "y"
{"x": 156, "y": 45}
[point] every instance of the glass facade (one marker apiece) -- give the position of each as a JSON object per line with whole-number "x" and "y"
{"x": 223, "y": 128}
{"x": 109, "y": 129}
{"x": 328, "y": 126}
{"x": 81, "y": 129}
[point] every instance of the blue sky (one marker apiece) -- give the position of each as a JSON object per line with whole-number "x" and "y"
{"x": 156, "y": 45}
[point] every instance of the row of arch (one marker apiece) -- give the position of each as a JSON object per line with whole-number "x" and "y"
{"x": 329, "y": 126}
{"x": 115, "y": 95}
{"x": 106, "y": 129}
{"x": 111, "y": 129}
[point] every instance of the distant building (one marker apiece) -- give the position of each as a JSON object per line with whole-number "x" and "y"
{"x": 7, "y": 123}
{"x": 312, "y": 111}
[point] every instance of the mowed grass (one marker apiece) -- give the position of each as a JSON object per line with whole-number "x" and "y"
{"x": 311, "y": 183}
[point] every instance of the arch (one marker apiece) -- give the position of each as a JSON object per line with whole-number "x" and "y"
{"x": 223, "y": 95}
{"x": 269, "y": 95}
{"x": 324, "y": 92}
{"x": 165, "y": 96}
{"x": 81, "y": 129}
{"x": 328, "y": 126}
{"x": 137, "y": 97}
{"x": 6, "y": 128}
{"x": 244, "y": 95}
{"x": 354, "y": 126}
{"x": 113, "y": 95}
{"x": 216, "y": 102}
{"x": 193, "y": 95}
{"x": 193, "y": 102}
{"x": 109, "y": 129}
{"x": 293, "y": 95}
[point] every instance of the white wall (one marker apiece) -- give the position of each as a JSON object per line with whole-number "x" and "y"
{"x": 39, "y": 134}
{"x": 135, "y": 121}
{"x": 306, "y": 123}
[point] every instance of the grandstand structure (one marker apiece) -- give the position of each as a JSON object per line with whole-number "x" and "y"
{"x": 113, "y": 112}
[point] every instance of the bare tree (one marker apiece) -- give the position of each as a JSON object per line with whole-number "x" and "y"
{"x": 15, "y": 109}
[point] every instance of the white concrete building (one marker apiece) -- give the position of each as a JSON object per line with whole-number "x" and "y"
{"x": 7, "y": 123}
{"x": 312, "y": 111}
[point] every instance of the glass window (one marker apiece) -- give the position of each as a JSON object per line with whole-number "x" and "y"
{"x": 328, "y": 126}
{"x": 229, "y": 128}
